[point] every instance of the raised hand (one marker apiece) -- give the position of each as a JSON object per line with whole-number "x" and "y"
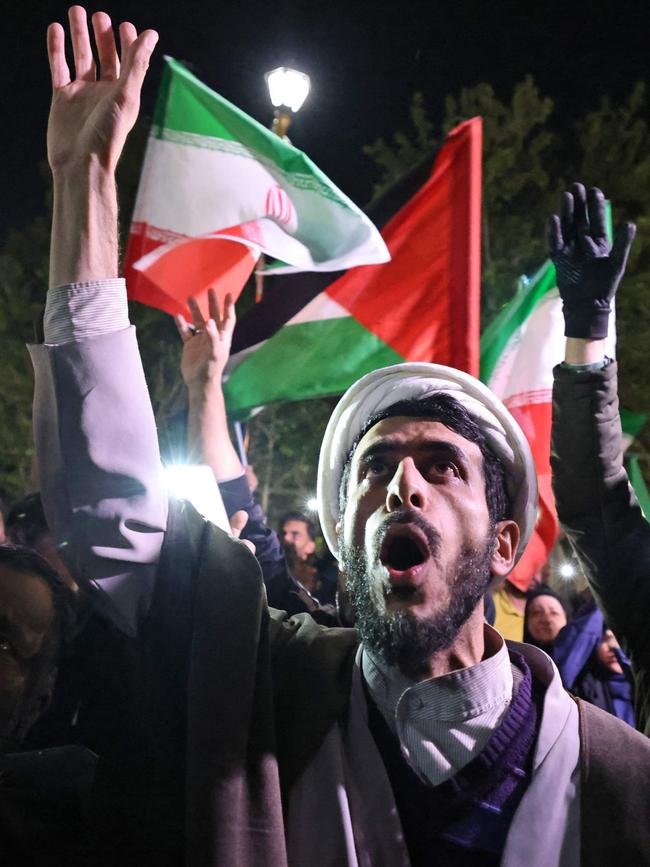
{"x": 206, "y": 349}
{"x": 588, "y": 267}
{"x": 92, "y": 114}
{"x": 206, "y": 346}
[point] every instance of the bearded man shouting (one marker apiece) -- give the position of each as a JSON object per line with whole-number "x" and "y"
{"x": 427, "y": 494}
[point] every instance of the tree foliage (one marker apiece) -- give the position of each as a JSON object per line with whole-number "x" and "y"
{"x": 614, "y": 143}
{"x": 519, "y": 181}
{"x": 284, "y": 443}
{"x": 23, "y": 274}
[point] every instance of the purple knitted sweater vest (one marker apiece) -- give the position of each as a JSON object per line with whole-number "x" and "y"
{"x": 465, "y": 821}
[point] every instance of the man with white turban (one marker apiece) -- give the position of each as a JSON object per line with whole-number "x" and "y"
{"x": 421, "y": 739}
{"x": 427, "y": 493}
{"x": 450, "y": 746}
{"x": 359, "y": 433}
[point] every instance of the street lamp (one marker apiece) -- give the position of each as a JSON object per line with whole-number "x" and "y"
{"x": 288, "y": 89}
{"x": 567, "y": 570}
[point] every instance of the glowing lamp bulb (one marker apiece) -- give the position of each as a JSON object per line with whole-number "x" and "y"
{"x": 312, "y": 504}
{"x": 567, "y": 570}
{"x": 287, "y": 87}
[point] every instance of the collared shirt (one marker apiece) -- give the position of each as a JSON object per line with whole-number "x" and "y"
{"x": 444, "y": 722}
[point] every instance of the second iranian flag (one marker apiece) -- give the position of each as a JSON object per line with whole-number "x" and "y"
{"x": 519, "y": 350}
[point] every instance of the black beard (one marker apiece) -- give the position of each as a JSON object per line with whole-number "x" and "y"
{"x": 400, "y": 639}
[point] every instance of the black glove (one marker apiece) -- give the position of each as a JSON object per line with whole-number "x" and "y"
{"x": 588, "y": 267}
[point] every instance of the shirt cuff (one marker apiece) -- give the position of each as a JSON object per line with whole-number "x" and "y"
{"x": 593, "y": 365}
{"x": 77, "y": 311}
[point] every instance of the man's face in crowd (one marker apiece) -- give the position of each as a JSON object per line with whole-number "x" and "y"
{"x": 27, "y": 619}
{"x": 545, "y": 618}
{"x": 296, "y": 534}
{"x": 417, "y": 542}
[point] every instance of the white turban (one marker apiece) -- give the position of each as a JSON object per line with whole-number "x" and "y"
{"x": 416, "y": 381}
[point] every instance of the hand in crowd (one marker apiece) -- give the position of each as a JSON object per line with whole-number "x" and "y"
{"x": 206, "y": 345}
{"x": 237, "y": 523}
{"x": 589, "y": 268}
{"x": 92, "y": 114}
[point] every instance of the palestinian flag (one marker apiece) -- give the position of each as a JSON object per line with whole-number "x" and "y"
{"x": 423, "y": 305}
{"x": 519, "y": 350}
{"x": 217, "y": 190}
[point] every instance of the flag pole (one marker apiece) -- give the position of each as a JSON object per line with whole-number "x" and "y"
{"x": 240, "y": 437}
{"x": 279, "y": 126}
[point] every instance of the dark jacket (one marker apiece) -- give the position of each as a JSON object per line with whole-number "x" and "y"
{"x": 312, "y": 678}
{"x": 44, "y": 799}
{"x": 192, "y": 777}
{"x": 600, "y": 513}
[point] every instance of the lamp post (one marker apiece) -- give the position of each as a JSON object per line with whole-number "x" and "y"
{"x": 288, "y": 89}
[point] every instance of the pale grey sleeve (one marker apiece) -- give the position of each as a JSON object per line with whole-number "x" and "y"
{"x": 99, "y": 466}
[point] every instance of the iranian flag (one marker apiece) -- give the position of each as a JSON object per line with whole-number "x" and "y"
{"x": 423, "y": 305}
{"x": 217, "y": 190}
{"x": 519, "y": 350}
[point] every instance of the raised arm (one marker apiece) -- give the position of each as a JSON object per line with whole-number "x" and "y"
{"x": 95, "y": 433}
{"x": 595, "y": 503}
{"x": 206, "y": 349}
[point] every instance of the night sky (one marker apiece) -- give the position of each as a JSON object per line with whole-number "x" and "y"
{"x": 365, "y": 59}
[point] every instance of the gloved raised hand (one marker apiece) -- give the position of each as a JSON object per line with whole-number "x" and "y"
{"x": 588, "y": 267}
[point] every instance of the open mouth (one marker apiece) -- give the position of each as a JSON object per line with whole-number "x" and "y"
{"x": 403, "y": 549}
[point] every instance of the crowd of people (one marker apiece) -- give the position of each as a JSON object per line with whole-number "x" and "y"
{"x": 171, "y": 693}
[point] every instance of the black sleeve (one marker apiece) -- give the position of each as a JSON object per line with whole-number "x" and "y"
{"x": 598, "y": 509}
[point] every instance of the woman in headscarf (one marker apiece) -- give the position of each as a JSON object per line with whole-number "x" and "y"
{"x": 593, "y": 666}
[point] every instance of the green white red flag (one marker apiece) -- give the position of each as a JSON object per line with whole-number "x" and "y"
{"x": 423, "y": 305}
{"x": 218, "y": 189}
{"x": 519, "y": 350}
